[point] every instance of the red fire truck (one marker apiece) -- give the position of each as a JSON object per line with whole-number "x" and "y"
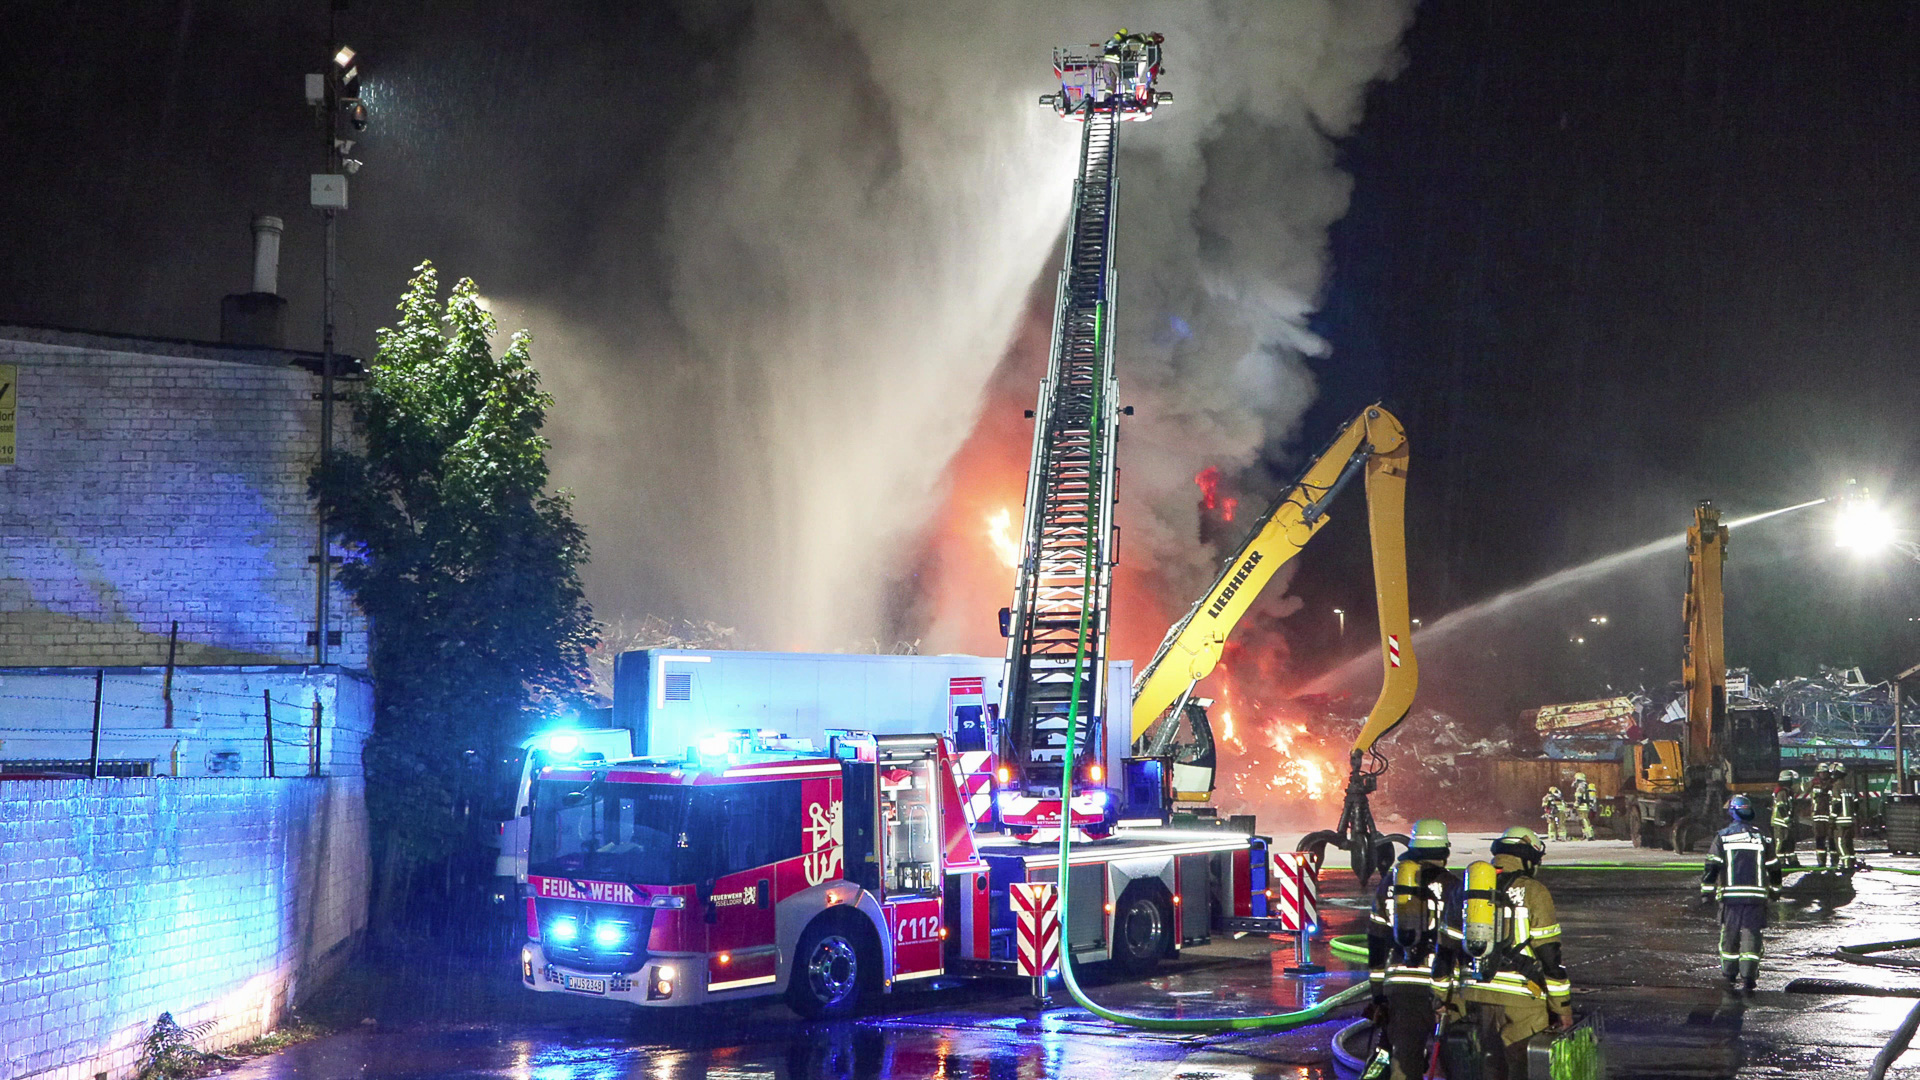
{"x": 758, "y": 865}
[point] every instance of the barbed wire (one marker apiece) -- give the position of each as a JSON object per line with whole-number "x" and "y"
{"x": 192, "y": 692}
{"x": 87, "y": 703}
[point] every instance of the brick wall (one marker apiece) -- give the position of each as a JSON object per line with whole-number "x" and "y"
{"x": 160, "y": 481}
{"x": 213, "y": 899}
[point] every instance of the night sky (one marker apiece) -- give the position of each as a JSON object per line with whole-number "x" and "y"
{"x": 1604, "y": 260}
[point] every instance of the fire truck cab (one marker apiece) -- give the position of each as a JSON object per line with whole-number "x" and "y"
{"x": 758, "y": 865}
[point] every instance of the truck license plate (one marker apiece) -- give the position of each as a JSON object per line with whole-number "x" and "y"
{"x": 586, "y": 986}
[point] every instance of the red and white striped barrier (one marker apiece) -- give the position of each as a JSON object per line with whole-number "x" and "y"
{"x": 1038, "y": 906}
{"x": 1296, "y": 889}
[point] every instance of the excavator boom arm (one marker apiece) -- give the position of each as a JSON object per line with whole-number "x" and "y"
{"x": 1373, "y": 443}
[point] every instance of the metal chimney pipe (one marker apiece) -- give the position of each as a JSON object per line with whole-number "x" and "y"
{"x": 266, "y": 253}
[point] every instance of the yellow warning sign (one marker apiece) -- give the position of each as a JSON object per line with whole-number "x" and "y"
{"x": 9, "y": 393}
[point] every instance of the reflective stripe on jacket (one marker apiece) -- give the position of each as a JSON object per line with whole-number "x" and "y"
{"x": 1782, "y": 807}
{"x": 1527, "y": 961}
{"x": 1742, "y": 867}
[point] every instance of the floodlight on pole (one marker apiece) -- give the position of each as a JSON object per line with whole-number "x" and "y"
{"x": 1863, "y": 528}
{"x": 1342, "y": 616}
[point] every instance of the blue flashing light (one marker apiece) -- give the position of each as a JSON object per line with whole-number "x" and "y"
{"x": 608, "y": 935}
{"x": 713, "y": 746}
{"x": 565, "y": 742}
{"x": 564, "y": 929}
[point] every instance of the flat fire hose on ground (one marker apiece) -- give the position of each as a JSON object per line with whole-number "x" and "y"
{"x": 1147, "y": 1023}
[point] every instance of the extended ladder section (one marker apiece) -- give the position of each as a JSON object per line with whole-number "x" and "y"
{"x": 1066, "y": 568}
{"x": 1057, "y": 628}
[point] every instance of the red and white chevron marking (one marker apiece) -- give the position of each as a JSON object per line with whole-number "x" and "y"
{"x": 976, "y": 784}
{"x": 1296, "y": 889}
{"x": 1037, "y": 905}
{"x": 1393, "y": 649}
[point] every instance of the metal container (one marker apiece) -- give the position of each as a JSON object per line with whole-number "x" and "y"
{"x": 1903, "y": 824}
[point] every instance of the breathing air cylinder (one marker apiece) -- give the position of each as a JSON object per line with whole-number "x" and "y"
{"x": 1479, "y": 921}
{"x": 1409, "y": 905}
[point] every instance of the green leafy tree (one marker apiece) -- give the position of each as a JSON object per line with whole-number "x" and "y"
{"x": 466, "y": 565}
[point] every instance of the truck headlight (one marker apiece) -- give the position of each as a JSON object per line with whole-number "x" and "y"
{"x": 660, "y": 986}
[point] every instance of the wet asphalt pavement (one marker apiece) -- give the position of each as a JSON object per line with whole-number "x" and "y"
{"x": 1640, "y": 947}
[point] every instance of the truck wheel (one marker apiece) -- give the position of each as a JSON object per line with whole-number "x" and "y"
{"x": 1636, "y": 828}
{"x": 829, "y": 971}
{"x": 1142, "y": 930}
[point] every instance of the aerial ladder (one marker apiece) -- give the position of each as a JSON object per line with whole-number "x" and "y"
{"x": 1372, "y": 445}
{"x": 1057, "y": 626}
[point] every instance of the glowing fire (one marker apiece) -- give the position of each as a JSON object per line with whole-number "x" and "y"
{"x": 1298, "y": 771}
{"x": 1208, "y": 480}
{"x": 1000, "y": 537}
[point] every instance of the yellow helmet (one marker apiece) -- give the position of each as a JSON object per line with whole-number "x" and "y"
{"x": 1522, "y": 842}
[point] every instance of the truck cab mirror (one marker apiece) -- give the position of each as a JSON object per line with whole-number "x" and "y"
{"x": 1006, "y": 622}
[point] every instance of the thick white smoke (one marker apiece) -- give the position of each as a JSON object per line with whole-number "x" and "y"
{"x": 858, "y": 212}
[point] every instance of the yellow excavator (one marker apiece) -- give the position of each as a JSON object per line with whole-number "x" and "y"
{"x": 1169, "y": 724}
{"x": 1678, "y": 788}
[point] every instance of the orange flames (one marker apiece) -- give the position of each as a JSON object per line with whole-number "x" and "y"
{"x": 1208, "y": 480}
{"x": 1000, "y": 538}
{"x": 1294, "y": 770}
{"x": 1298, "y": 772}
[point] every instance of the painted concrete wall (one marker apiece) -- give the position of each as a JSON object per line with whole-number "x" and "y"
{"x": 158, "y": 482}
{"x": 218, "y": 719}
{"x": 213, "y": 899}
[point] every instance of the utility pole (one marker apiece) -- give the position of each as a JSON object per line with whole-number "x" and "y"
{"x": 335, "y": 94}
{"x": 1900, "y": 785}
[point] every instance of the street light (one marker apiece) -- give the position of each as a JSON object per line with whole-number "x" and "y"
{"x": 1342, "y": 616}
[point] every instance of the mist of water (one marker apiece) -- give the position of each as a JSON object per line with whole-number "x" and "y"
{"x": 855, "y": 216}
{"x": 1518, "y": 601}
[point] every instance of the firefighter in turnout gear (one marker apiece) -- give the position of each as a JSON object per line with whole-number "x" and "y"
{"x": 1781, "y": 818}
{"x": 1840, "y": 799}
{"x": 1514, "y": 985}
{"x": 1413, "y": 944}
{"x": 1584, "y": 805}
{"x": 1743, "y": 874}
{"x": 1821, "y": 800}
{"x": 1554, "y": 809}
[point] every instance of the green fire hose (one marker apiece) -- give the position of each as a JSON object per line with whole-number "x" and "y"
{"x": 1148, "y": 1023}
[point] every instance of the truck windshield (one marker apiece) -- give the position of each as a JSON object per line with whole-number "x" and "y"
{"x": 639, "y": 833}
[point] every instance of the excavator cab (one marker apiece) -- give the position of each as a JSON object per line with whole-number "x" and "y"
{"x": 1184, "y": 740}
{"x": 1656, "y": 765}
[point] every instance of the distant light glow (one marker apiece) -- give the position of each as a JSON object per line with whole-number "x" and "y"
{"x": 1000, "y": 537}
{"x": 1863, "y": 528}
